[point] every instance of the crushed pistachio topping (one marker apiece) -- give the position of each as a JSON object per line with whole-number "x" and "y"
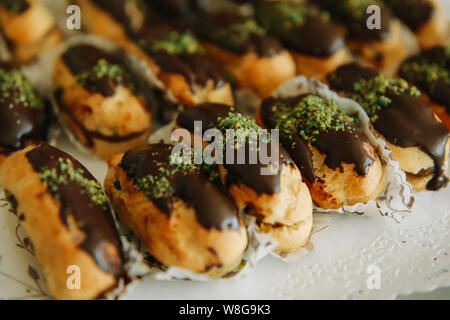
{"x": 237, "y": 34}
{"x": 65, "y": 173}
{"x": 280, "y": 17}
{"x": 102, "y": 69}
{"x": 178, "y": 43}
{"x": 372, "y": 94}
{"x": 243, "y": 127}
{"x": 310, "y": 117}
{"x": 425, "y": 71}
{"x": 154, "y": 186}
{"x": 16, "y": 89}
{"x": 158, "y": 186}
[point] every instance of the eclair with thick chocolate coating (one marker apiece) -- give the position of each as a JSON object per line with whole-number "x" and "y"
{"x": 255, "y": 60}
{"x": 317, "y": 45}
{"x": 430, "y": 71}
{"x": 23, "y": 114}
{"x": 418, "y": 139}
{"x": 426, "y": 18}
{"x": 66, "y": 215}
{"x": 177, "y": 210}
{"x": 335, "y": 157}
{"x": 383, "y": 46}
{"x": 175, "y": 58}
{"x": 29, "y": 28}
{"x": 278, "y": 199}
{"x": 100, "y": 100}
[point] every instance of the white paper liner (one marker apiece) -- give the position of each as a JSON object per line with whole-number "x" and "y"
{"x": 398, "y": 198}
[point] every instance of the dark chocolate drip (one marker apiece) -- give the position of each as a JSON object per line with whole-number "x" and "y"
{"x": 82, "y": 58}
{"x": 407, "y": 122}
{"x": 15, "y": 6}
{"x": 176, "y": 9}
{"x": 19, "y": 124}
{"x": 345, "y": 147}
{"x": 96, "y": 223}
{"x": 414, "y": 13}
{"x": 214, "y": 208}
{"x": 196, "y": 68}
{"x": 314, "y": 36}
{"x": 208, "y": 25}
{"x": 410, "y": 122}
{"x": 344, "y": 77}
{"x": 437, "y": 90}
{"x": 356, "y": 22}
{"x": 247, "y": 173}
{"x": 339, "y": 147}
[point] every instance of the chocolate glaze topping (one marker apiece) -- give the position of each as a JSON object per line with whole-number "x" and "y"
{"x": 15, "y": 6}
{"x": 355, "y": 18}
{"x": 346, "y": 146}
{"x": 208, "y": 26}
{"x": 247, "y": 173}
{"x": 214, "y": 208}
{"x": 313, "y": 36}
{"x": 95, "y": 221}
{"x": 429, "y": 63}
{"x": 19, "y": 124}
{"x": 407, "y": 122}
{"x": 195, "y": 67}
{"x": 414, "y": 13}
{"x": 83, "y": 58}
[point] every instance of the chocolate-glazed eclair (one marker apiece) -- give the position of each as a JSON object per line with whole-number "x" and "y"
{"x": 23, "y": 114}
{"x": 280, "y": 201}
{"x": 182, "y": 64}
{"x": 175, "y": 58}
{"x": 66, "y": 215}
{"x": 177, "y": 209}
{"x": 430, "y": 71}
{"x": 399, "y": 114}
{"x": 255, "y": 60}
{"x": 335, "y": 157}
{"x": 317, "y": 45}
{"x": 101, "y": 100}
{"x": 426, "y": 18}
{"x": 28, "y": 27}
{"x": 383, "y": 47}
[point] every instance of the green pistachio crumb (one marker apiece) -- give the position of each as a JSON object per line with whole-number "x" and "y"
{"x": 310, "y": 117}
{"x": 280, "y": 17}
{"x": 237, "y": 34}
{"x": 103, "y": 68}
{"x": 372, "y": 94}
{"x": 65, "y": 173}
{"x": 177, "y": 43}
{"x": 14, "y": 87}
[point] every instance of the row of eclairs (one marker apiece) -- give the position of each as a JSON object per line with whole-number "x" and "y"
{"x": 189, "y": 215}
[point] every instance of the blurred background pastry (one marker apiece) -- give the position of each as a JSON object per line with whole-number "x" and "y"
{"x": 101, "y": 100}
{"x": 430, "y": 71}
{"x": 29, "y": 28}
{"x": 418, "y": 139}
